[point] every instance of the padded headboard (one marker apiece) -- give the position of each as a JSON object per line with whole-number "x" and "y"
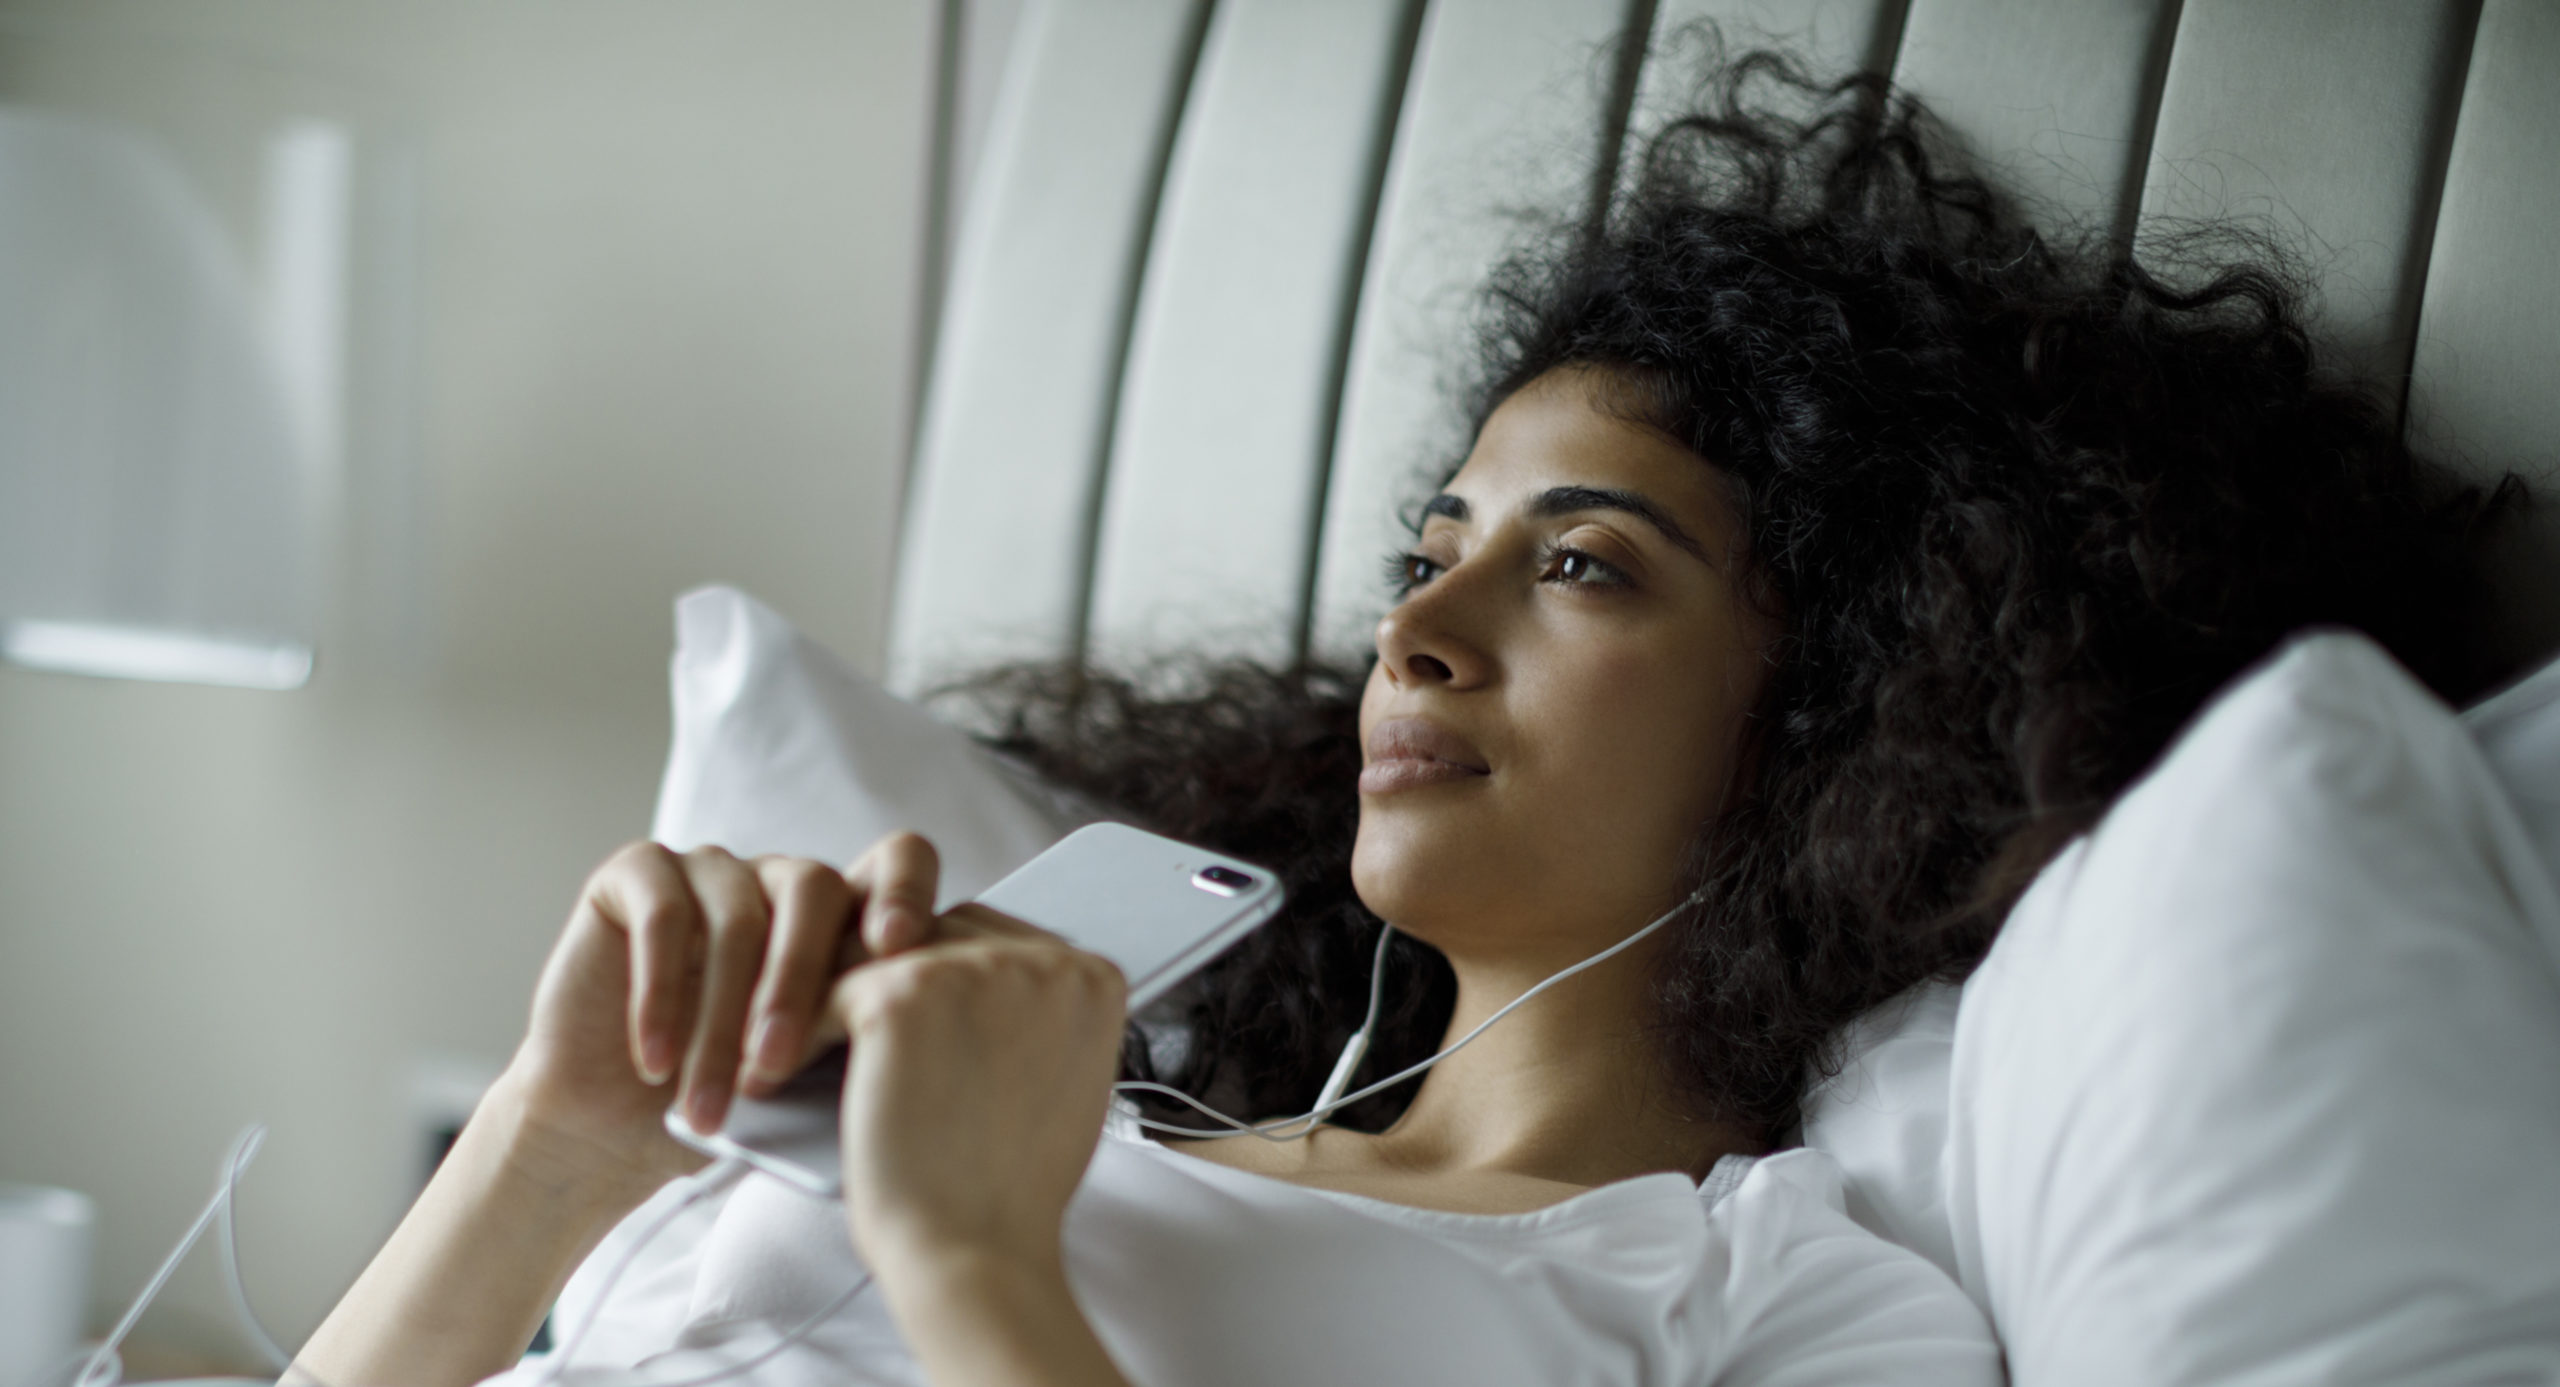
{"x": 1216, "y": 262}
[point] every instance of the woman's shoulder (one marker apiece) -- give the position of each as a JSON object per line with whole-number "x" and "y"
{"x": 1810, "y": 1296}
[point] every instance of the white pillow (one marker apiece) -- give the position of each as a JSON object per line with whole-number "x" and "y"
{"x": 2519, "y": 731}
{"x": 2261, "y": 1083}
{"x": 1883, "y": 1118}
{"x": 781, "y": 748}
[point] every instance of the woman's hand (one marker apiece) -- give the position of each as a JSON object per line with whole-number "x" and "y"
{"x": 687, "y": 978}
{"x": 981, "y": 1069}
{"x": 680, "y": 977}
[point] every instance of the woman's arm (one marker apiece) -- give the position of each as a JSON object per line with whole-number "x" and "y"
{"x": 999, "y": 1322}
{"x": 680, "y": 978}
{"x": 458, "y": 1291}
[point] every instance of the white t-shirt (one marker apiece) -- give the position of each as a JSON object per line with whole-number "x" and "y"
{"x": 1192, "y": 1272}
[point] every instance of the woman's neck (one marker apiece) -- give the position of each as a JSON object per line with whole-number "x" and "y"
{"x": 1571, "y": 1087}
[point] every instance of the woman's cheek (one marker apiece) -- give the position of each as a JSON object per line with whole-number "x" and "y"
{"x": 1639, "y": 738}
{"x": 1612, "y": 707}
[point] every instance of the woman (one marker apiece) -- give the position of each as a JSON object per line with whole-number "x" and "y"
{"x": 1830, "y": 550}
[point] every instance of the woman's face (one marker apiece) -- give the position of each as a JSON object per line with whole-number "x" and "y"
{"x": 1559, "y": 697}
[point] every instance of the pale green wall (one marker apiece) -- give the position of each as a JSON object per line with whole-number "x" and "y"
{"x": 667, "y": 312}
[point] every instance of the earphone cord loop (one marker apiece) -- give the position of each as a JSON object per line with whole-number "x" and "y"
{"x": 705, "y": 1184}
{"x": 104, "y": 1367}
{"x": 242, "y": 1150}
{"x": 720, "y": 1175}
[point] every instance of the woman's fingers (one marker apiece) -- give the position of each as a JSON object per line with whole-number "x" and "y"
{"x": 737, "y": 921}
{"x": 731, "y": 962}
{"x": 644, "y": 889}
{"x": 813, "y": 925}
{"x": 970, "y": 920}
{"x": 897, "y": 880}
{"x": 980, "y": 1073}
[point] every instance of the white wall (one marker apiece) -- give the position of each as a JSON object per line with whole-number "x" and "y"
{"x": 667, "y": 312}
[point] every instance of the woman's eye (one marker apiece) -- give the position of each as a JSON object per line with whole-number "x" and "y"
{"x": 1408, "y": 571}
{"x": 1575, "y": 566}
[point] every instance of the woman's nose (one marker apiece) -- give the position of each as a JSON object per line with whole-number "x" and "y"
{"x": 1420, "y": 643}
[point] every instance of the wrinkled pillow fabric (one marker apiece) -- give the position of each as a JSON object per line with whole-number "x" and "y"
{"x": 1883, "y": 1117}
{"x": 2261, "y": 1083}
{"x": 2519, "y": 732}
{"x": 780, "y": 747}
{"x": 1883, "y": 1120}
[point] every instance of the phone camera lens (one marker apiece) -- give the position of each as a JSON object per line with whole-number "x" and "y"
{"x": 1225, "y": 881}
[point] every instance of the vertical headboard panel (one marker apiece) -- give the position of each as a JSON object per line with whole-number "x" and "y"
{"x": 1026, "y": 368}
{"x": 2330, "y": 119}
{"x": 2484, "y": 390}
{"x": 1227, "y": 413}
{"x": 1504, "y": 111}
{"x": 2056, "y": 100}
{"x": 2486, "y": 379}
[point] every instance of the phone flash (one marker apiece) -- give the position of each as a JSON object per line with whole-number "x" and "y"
{"x": 1221, "y": 881}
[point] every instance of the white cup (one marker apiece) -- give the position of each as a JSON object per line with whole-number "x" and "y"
{"x": 44, "y": 1279}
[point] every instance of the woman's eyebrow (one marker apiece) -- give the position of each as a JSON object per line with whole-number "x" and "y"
{"x": 1565, "y": 500}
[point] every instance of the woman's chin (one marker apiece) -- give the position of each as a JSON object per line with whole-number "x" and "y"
{"x": 1407, "y": 871}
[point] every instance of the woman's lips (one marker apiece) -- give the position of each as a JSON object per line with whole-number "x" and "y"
{"x": 1386, "y": 777}
{"x": 1406, "y": 752}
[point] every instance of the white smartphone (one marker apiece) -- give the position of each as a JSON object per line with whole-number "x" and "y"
{"x": 1157, "y": 907}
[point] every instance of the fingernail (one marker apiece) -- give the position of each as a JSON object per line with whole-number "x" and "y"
{"x": 770, "y": 1060}
{"x": 657, "y": 1060}
{"x": 704, "y": 1109}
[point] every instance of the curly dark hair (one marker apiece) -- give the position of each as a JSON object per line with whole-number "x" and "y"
{"x": 2020, "y": 502}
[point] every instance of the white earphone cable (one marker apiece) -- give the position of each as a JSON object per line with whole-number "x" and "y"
{"x": 1348, "y": 1066}
{"x": 242, "y": 1149}
{"x": 103, "y": 1367}
{"x": 1292, "y": 1128}
{"x": 708, "y": 1182}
